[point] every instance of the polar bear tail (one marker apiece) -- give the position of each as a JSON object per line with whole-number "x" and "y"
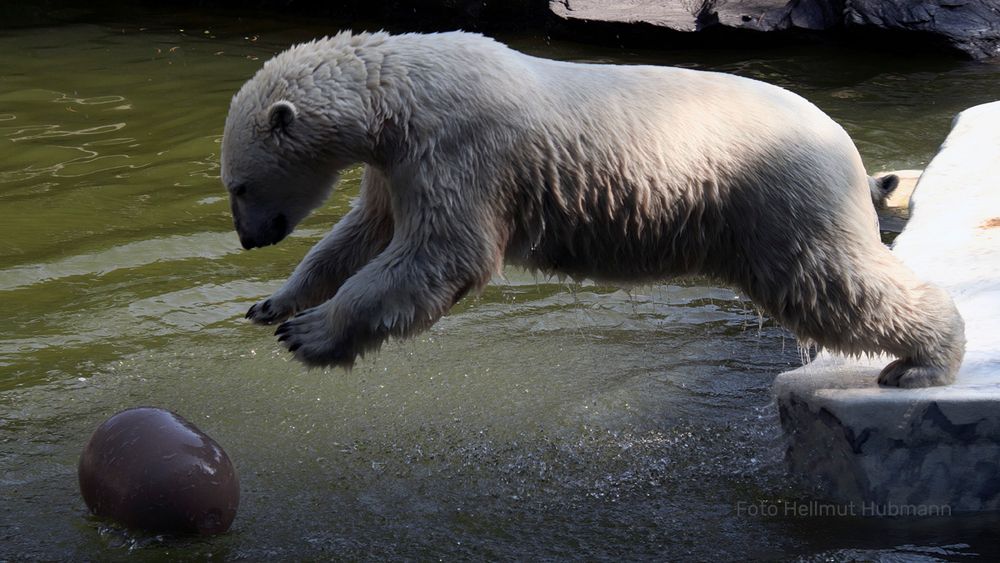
{"x": 882, "y": 187}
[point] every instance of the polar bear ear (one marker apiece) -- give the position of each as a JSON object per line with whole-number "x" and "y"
{"x": 281, "y": 114}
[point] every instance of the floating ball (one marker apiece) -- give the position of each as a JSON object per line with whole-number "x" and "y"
{"x": 150, "y": 469}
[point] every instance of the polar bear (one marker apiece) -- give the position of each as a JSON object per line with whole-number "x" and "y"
{"x": 476, "y": 154}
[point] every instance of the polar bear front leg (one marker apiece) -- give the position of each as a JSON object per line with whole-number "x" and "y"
{"x": 357, "y": 238}
{"x": 403, "y": 291}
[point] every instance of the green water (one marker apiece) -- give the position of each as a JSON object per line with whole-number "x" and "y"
{"x": 542, "y": 419}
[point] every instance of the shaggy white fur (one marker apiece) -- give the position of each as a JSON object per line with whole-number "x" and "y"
{"x": 476, "y": 154}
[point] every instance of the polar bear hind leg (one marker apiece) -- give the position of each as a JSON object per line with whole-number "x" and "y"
{"x": 863, "y": 300}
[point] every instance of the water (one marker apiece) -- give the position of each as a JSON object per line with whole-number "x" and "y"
{"x": 541, "y": 419}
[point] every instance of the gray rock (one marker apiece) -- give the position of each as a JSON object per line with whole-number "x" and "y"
{"x": 677, "y": 15}
{"x": 696, "y": 15}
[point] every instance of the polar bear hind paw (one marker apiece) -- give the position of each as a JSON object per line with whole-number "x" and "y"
{"x": 906, "y": 374}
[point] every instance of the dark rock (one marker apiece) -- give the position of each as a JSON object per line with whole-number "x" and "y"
{"x": 150, "y": 469}
{"x": 816, "y": 15}
{"x": 778, "y": 15}
{"x": 971, "y": 26}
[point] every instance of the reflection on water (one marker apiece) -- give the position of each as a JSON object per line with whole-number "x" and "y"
{"x": 539, "y": 419}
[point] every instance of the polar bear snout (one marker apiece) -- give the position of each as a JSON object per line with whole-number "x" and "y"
{"x": 273, "y": 232}
{"x": 255, "y": 234}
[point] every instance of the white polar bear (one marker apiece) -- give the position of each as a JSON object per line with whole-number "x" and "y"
{"x": 477, "y": 154}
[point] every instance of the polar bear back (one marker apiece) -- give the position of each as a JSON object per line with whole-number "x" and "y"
{"x": 667, "y": 161}
{"x": 681, "y": 111}
{"x": 700, "y": 124}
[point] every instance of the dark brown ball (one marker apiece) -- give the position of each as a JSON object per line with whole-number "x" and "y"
{"x": 150, "y": 469}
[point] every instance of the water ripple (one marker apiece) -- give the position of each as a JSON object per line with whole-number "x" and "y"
{"x": 211, "y": 245}
{"x": 130, "y": 255}
{"x": 188, "y": 310}
{"x": 69, "y": 168}
{"x": 53, "y": 131}
{"x": 92, "y": 101}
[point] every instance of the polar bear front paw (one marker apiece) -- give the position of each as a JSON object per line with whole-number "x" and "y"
{"x": 905, "y": 374}
{"x": 315, "y": 342}
{"x": 270, "y": 311}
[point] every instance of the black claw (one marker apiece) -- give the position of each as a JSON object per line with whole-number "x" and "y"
{"x": 284, "y": 337}
{"x": 294, "y": 347}
{"x": 249, "y": 312}
{"x": 282, "y": 329}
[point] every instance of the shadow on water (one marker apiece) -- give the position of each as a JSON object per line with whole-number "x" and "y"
{"x": 540, "y": 419}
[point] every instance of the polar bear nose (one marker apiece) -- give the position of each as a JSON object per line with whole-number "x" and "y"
{"x": 247, "y": 242}
{"x": 273, "y": 232}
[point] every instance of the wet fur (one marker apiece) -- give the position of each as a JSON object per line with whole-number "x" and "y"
{"x": 478, "y": 155}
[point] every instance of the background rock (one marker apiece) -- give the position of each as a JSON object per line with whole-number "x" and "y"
{"x": 969, "y": 26}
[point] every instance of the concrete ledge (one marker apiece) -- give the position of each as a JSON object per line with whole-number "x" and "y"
{"x": 935, "y": 446}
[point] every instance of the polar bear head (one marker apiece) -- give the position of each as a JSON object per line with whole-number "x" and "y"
{"x": 290, "y": 130}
